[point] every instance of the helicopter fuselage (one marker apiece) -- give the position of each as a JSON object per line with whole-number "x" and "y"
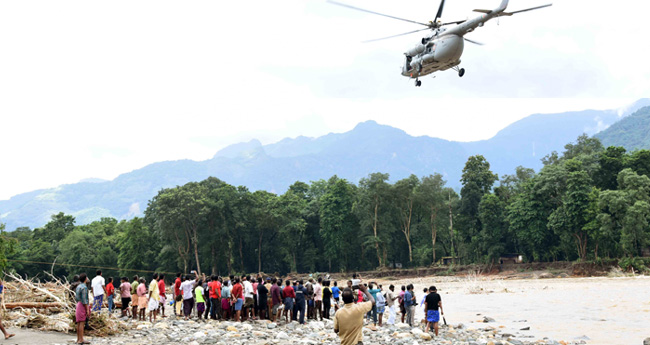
{"x": 438, "y": 54}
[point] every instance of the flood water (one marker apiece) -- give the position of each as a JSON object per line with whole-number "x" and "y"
{"x": 598, "y": 310}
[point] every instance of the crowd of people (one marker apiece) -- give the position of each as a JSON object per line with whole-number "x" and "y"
{"x": 241, "y": 298}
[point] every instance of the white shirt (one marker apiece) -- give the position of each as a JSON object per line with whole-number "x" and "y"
{"x": 186, "y": 288}
{"x": 98, "y": 286}
{"x": 248, "y": 289}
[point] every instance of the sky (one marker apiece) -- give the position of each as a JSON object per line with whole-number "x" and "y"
{"x": 93, "y": 89}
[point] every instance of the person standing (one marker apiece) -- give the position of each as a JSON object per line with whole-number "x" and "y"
{"x": 237, "y": 296}
{"x": 142, "y": 299}
{"x": 318, "y": 299}
{"x": 248, "y": 298}
{"x": 110, "y": 295}
{"x": 431, "y": 304}
{"x": 373, "y": 311}
{"x": 225, "y": 300}
{"x": 262, "y": 296}
{"x": 83, "y": 308}
{"x": 2, "y": 327}
{"x": 402, "y": 310}
{"x": 289, "y": 300}
{"x": 409, "y": 304}
{"x": 125, "y": 295}
{"x": 188, "y": 299}
{"x": 254, "y": 283}
{"x": 154, "y": 298}
{"x": 336, "y": 294}
{"x": 309, "y": 297}
{"x": 380, "y": 301}
{"x": 215, "y": 297}
{"x": 200, "y": 301}
{"x": 348, "y": 321}
{"x": 327, "y": 299}
{"x": 390, "y": 303}
{"x": 276, "y": 297}
{"x": 178, "y": 296}
{"x": 300, "y": 293}
{"x": 99, "y": 289}
{"x": 163, "y": 294}
{"x": 134, "y": 298}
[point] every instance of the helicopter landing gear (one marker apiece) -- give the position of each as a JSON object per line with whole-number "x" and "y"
{"x": 461, "y": 71}
{"x": 418, "y": 82}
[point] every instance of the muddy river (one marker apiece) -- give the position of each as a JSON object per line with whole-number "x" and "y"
{"x": 597, "y": 310}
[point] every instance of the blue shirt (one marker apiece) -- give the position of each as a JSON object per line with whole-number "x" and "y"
{"x": 407, "y": 299}
{"x": 300, "y": 294}
{"x": 336, "y": 291}
{"x": 373, "y": 292}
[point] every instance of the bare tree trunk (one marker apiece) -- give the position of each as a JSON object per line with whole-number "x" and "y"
{"x": 374, "y": 229}
{"x": 196, "y": 252}
{"x": 451, "y": 229}
{"x": 406, "y": 227}
{"x": 434, "y": 231}
{"x": 213, "y": 250}
{"x": 229, "y": 256}
{"x": 259, "y": 252}
{"x": 241, "y": 255}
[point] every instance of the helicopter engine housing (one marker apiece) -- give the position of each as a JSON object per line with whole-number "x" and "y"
{"x": 416, "y": 50}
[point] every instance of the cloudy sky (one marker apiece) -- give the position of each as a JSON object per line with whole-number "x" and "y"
{"x": 95, "y": 89}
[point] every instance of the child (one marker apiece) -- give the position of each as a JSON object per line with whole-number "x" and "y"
{"x": 125, "y": 295}
{"x": 142, "y": 299}
{"x": 134, "y": 297}
{"x": 110, "y": 294}
{"x": 200, "y": 299}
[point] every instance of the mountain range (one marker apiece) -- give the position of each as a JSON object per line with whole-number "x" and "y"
{"x": 369, "y": 147}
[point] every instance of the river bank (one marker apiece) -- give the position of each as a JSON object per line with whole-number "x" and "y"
{"x": 600, "y": 310}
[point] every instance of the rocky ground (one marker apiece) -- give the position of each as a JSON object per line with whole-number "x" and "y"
{"x": 175, "y": 330}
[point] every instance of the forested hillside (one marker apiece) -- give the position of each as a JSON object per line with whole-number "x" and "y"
{"x": 632, "y": 132}
{"x": 368, "y": 148}
{"x": 587, "y": 203}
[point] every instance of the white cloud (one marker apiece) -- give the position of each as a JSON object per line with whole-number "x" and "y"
{"x": 92, "y": 89}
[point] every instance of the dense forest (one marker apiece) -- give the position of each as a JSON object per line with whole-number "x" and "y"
{"x": 587, "y": 203}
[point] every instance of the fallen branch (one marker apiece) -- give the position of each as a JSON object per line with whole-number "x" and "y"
{"x": 37, "y": 305}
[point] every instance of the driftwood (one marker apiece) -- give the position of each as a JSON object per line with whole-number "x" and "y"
{"x": 36, "y": 305}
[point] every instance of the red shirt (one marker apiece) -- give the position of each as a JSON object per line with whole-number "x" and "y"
{"x": 177, "y": 287}
{"x": 161, "y": 287}
{"x": 109, "y": 289}
{"x": 289, "y": 292}
{"x": 215, "y": 289}
{"x": 237, "y": 291}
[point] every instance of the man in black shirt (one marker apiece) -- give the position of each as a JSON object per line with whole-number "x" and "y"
{"x": 431, "y": 305}
{"x": 262, "y": 295}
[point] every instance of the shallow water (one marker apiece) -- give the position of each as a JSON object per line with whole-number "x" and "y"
{"x": 598, "y": 310}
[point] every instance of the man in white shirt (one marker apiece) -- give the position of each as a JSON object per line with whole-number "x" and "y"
{"x": 188, "y": 299}
{"x": 248, "y": 297}
{"x": 99, "y": 289}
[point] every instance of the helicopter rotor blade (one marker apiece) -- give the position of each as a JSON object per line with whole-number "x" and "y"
{"x": 525, "y": 10}
{"x": 440, "y": 8}
{"x": 456, "y": 22}
{"x": 384, "y": 38}
{"x": 475, "y": 42}
{"x": 377, "y": 13}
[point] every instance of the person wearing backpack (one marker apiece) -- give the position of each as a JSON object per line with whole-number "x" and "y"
{"x": 381, "y": 304}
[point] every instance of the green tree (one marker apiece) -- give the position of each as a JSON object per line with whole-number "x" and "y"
{"x": 370, "y": 208}
{"x": 612, "y": 161}
{"x": 337, "y": 221}
{"x": 491, "y": 212}
{"x": 477, "y": 180}
{"x": 138, "y": 246}
{"x": 431, "y": 197}
{"x": 404, "y": 205}
{"x": 7, "y": 247}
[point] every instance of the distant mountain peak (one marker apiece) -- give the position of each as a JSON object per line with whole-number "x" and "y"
{"x": 247, "y": 149}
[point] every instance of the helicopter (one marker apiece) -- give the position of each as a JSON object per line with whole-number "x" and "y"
{"x": 442, "y": 49}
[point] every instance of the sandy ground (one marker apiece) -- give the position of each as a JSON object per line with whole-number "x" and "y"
{"x": 30, "y": 337}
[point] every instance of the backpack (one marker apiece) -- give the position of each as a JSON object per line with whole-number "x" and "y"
{"x": 380, "y": 300}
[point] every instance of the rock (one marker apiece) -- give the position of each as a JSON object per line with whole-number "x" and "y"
{"x": 271, "y": 325}
{"x": 426, "y": 336}
{"x": 403, "y": 335}
{"x": 282, "y": 335}
{"x": 545, "y": 275}
{"x": 403, "y": 326}
{"x": 198, "y": 335}
{"x": 416, "y": 331}
{"x": 487, "y": 319}
{"x": 525, "y": 329}
{"x": 316, "y": 325}
{"x": 582, "y": 337}
{"x": 231, "y": 329}
{"x": 646, "y": 341}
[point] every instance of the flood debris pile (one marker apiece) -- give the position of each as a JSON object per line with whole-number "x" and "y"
{"x": 48, "y": 306}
